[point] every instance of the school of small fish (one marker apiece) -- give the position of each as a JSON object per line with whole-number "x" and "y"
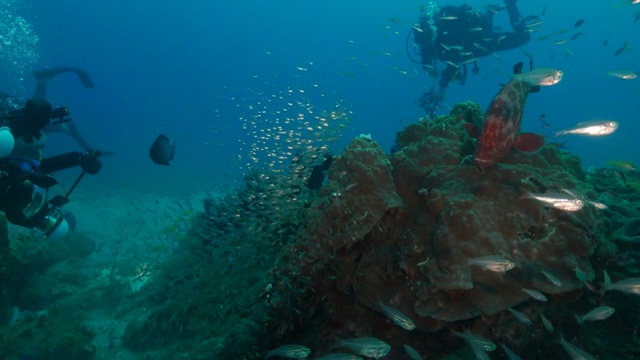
{"x": 562, "y": 199}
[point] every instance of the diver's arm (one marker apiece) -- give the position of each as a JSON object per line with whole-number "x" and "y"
{"x": 60, "y": 162}
{"x": 89, "y": 162}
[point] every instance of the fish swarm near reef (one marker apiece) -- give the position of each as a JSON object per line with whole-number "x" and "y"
{"x": 409, "y": 249}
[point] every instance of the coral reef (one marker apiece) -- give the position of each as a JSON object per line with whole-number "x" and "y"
{"x": 397, "y": 231}
{"x": 386, "y": 240}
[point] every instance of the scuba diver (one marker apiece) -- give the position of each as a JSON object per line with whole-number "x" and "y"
{"x": 458, "y": 36}
{"x": 33, "y": 149}
{"x": 24, "y": 174}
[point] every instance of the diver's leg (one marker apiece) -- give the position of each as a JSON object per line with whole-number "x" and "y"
{"x": 43, "y": 77}
{"x": 517, "y": 22}
{"x": 519, "y": 37}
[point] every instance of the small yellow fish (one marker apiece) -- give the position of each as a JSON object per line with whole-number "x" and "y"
{"x": 622, "y": 164}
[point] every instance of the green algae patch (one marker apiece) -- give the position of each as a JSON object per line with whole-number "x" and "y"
{"x": 51, "y": 334}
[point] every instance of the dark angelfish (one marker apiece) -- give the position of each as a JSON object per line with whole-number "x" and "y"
{"x": 502, "y": 123}
{"x": 162, "y": 150}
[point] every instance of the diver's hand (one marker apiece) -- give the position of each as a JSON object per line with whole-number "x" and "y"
{"x": 90, "y": 162}
{"x": 58, "y": 201}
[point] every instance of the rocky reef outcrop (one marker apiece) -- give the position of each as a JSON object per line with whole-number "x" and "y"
{"x": 402, "y": 231}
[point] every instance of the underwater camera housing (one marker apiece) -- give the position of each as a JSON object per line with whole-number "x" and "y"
{"x": 53, "y": 225}
{"x": 59, "y": 115}
{"x": 25, "y": 204}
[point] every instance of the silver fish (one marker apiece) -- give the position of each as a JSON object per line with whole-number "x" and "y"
{"x": 547, "y": 324}
{"x": 607, "y": 278}
{"x": 495, "y": 263}
{"x": 291, "y": 351}
{"x": 598, "y": 205}
{"x": 366, "y": 346}
{"x": 486, "y": 344}
{"x": 520, "y": 316}
{"x": 575, "y": 352}
{"x": 510, "y": 354}
{"x": 631, "y": 286}
{"x": 623, "y": 74}
{"x": 558, "y": 200}
{"x": 552, "y": 277}
{"x": 593, "y": 128}
{"x": 339, "y": 356}
{"x": 478, "y": 350}
{"x": 541, "y": 76}
{"x": 412, "y": 353}
{"x": 536, "y": 294}
{"x": 599, "y": 313}
{"x": 398, "y": 317}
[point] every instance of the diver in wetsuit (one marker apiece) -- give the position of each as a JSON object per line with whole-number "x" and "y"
{"x": 30, "y": 145}
{"x": 24, "y": 174}
{"x": 460, "y": 35}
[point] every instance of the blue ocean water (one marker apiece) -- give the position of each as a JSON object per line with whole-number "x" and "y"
{"x": 247, "y": 85}
{"x": 196, "y": 72}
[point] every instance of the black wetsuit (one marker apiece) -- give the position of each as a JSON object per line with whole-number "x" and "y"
{"x": 463, "y": 35}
